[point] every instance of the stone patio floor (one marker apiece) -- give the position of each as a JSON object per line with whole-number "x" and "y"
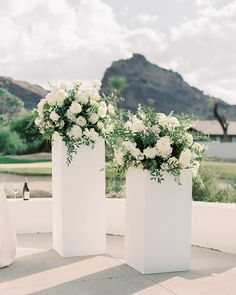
{"x": 38, "y": 269}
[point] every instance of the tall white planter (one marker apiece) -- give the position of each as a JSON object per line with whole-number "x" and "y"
{"x": 158, "y": 222}
{"x": 79, "y": 226}
{"x": 7, "y": 233}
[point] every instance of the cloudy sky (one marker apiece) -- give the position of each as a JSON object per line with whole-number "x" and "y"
{"x": 63, "y": 40}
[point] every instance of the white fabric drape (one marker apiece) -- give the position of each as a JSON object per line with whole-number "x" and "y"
{"x": 7, "y": 233}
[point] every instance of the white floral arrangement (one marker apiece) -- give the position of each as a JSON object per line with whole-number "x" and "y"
{"x": 157, "y": 143}
{"x": 78, "y": 115}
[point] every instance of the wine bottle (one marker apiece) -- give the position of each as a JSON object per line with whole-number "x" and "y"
{"x": 26, "y": 191}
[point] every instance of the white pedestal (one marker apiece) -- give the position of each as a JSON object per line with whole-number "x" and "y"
{"x": 7, "y": 233}
{"x": 158, "y": 222}
{"x": 79, "y": 225}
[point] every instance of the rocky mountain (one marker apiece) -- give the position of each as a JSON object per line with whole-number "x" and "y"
{"x": 165, "y": 90}
{"x": 30, "y": 94}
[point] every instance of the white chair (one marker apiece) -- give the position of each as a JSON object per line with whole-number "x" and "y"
{"x": 7, "y": 233}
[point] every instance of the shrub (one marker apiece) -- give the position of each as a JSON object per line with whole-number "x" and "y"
{"x": 11, "y": 143}
{"x": 206, "y": 188}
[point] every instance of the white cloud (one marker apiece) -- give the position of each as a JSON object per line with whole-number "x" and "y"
{"x": 204, "y": 51}
{"x": 145, "y": 19}
{"x": 53, "y": 41}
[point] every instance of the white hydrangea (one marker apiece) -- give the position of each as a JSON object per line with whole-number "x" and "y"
{"x": 77, "y": 83}
{"x": 163, "y": 146}
{"x": 93, "y": 118}
{"x": 136, "y": 153}
{"x": 97, "y": 84}
{"x": 54, "y": 116}
{"x": 198, "y": 147}
{"x": 82, "y": 97}
{"x": 75, "y": 132}
{"x": 37, "y": 122}
{"x": 81, "y": 121}
{"x": 128, "y": 145}
{"x": 118, "y": 155}
{"x": 137, "y": 125}
{"x": 155, "y": 129}
{"x": 128, "y": 124}
{"x": 188, "y": 138}
{"x": 100, "y": 125}
{"x": 70, "y": 115}
{"x": 75, "y": 108}
{"x": 168, "y": 122}
{"x": 102, "y": 111}
{"x": 56, "y": 136}
{"x": 110, "y": 109}
{"x": 185, "y": 158}
{"x": 150, "y": 153}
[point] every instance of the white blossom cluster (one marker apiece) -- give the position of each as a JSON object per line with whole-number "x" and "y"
{"x": 158, "y": 143}
{"x": 78, "y": 115}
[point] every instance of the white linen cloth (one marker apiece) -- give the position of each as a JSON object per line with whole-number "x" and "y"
{"x": 7, "y": 233}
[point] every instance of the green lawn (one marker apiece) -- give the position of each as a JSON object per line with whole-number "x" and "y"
{"x": 9, "y": 160}
{"x": 27, "y": 169}
{"x": 226, "y": 171}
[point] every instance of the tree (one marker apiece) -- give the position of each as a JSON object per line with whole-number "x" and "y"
{"x": 223, "y": 122}
{"x": 10, "y": 105}
{"x": 117, "y": 84}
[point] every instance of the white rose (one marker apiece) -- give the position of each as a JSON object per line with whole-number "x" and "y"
{"x": 136, "y": 153}
{"x": 75, "y": 132}
{"x": 81, "y": 121}
{"x": 185, "y": 158}
{"x": 102, "y": 111}
{"x": 97, "y": 84}
{"x": 118, "y": 154}
{"x": 92, "y": 94}
{"x": 93, "y": 118}
{"x": 100, "y": 125}
{"x": 54, "y": 116}
{"x": 163, "y": 146}
{"x": 150, "y": 153}
{"x": 137, "y": 125}
{"x": 189, "y": 138}
{"x": 110, "y": 109}
{"x": 56, "y": 136}
{"x": 42, "y": 103}
{"x": 93, "y": 135}
{"x": 94, "y": 103}
{"x": 82, "y": 97}
{"x": 75, "y": 107}
{"x": 37, "y": 121}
